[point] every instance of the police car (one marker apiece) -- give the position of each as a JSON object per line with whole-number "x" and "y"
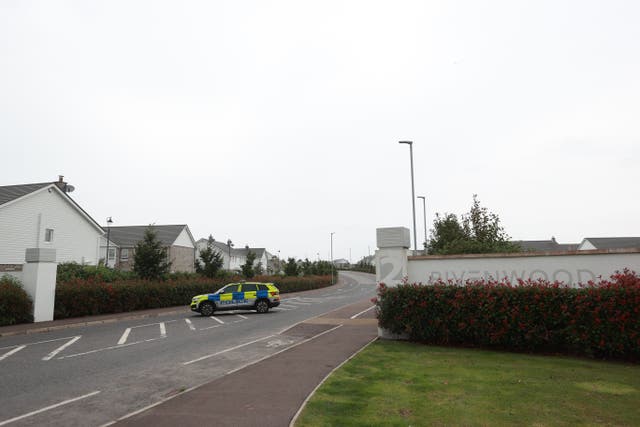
{"x": 238, "y": 296}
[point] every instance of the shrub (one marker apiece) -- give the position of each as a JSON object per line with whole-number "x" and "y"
{"x": 89, "y": 297}
{"x": 15, "y": 304}
{"x": 70, "y": 271}
{"x": 600, "y": 319}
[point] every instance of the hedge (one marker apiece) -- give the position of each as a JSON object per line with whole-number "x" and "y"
{"x": 15, "y": 304}
{"x": 87, "y": 297}
{"x": 599, "y": 319}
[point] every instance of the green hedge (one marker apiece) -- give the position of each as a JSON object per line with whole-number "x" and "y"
{"x": 84, "y": 298}
{"x": 599, "y": 319}
{"x": 15, "y": 304}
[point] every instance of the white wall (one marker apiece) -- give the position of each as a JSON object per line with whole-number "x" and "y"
{"x": 184, "y": 240}
{"x": 569, "y": 268}
{"x": 23, "y": 224}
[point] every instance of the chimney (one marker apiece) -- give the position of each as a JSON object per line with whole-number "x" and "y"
{"x": 60, "y": 183}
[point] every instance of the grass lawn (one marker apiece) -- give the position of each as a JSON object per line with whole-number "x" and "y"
{"x": 395, "y": 383}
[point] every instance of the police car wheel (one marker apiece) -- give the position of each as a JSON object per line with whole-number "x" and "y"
{"x": 262, "y": 306}
{"x": 206, "y": 309}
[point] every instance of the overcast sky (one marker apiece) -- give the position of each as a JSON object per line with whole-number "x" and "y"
{"x": 275, "y": 123}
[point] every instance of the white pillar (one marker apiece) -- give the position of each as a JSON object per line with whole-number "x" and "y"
{"x": 39, "y": 280}
{"x": 391, "y": 262}
{"x": 392, "y": 254}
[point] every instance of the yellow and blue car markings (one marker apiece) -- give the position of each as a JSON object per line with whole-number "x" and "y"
{"x": 239, "y": 298}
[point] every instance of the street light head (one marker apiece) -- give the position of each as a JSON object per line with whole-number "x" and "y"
{"x": 405, "y": 142}
{"x": 422, "y": 197}
{"x": 109, "y": 221}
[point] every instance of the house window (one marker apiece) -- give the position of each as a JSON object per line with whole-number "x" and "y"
{"x": 112, "y": 254}
{"x": 48, "y": 235}
{"x": 124, "y": 254}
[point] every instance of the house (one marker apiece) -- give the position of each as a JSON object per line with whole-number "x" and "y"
{"x": 234, "y": 259}
{"x": 590, "y": 243}
{"x": 545, "y": 245}
{"x": 176, "y": 239}
{"x": 43, "y": 215}
{"x": 341, "y": 263}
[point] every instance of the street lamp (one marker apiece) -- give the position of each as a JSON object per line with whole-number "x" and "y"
{"x": 106, "y": 258}
{"x": 332, "y": 257}
{"x": 424, "y": 209}
{"x": 413, "y": 193}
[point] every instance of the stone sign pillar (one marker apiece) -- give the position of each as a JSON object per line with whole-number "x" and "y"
{"x": 39, "y": 280}
{"x": 391, "y": 262}
{"x": 391, "y": 257}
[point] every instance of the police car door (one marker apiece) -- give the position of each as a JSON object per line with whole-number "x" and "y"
{"x": 249, "y": 290}
{"x": 229, "y": 298}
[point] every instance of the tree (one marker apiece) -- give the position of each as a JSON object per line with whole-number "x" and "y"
{"x": 478, "y": 232}
{"x": 247, "y": 267}
{"x": 291, "y": 267}
{"x": 150, "y": 259}
{"x": 258, "y": 269}
{"x": 210, "y": 261}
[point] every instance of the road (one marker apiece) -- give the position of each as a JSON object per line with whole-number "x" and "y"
{"x": 96, "y": 374}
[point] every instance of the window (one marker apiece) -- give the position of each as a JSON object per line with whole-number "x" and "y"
{"x": 112, "y": 254}
{"x": 249, "y": 287}
{"x": 48, "y": 235}
{"x": 263, "y": 287}
{"x": 124, "y": 254}
{"x": 231, "y": 289}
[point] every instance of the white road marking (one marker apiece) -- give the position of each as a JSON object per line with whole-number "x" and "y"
{"x": 362, "y": 312}
{"x": 298, "y": 303}
{"x": 113, "y": 347}
{"x": 163, "y": 330}
{"x": 9, "y": 353}
{"x": 210, "y": 327}
{"x": 123, "y": 338}
{"x": 39, "y": 411}
{"x": 193, "y": 328}
{"x": 217, "y": 320}
{"x": 288, "y": 307}
{"x": 227, "y": 350}
{"x": 242, "y": 317}
{"x": 40, "y": 342}
{"x": 62, "y": 347}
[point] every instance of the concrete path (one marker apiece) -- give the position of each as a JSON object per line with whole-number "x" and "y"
{"x": 270, "y": 392}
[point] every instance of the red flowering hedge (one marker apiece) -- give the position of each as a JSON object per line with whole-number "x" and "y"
{"x": 85, "y": 297}
{"x": 15, "y": 304}
{"x": 600, "y": 319}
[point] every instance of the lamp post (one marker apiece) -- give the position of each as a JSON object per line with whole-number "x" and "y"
{"x": 229, "y": 244}
{"x": 332, "y": 257}
{"x": 413, "y": 193}
{"x": 424, "y": 209}
{"x": 106, "y": 258}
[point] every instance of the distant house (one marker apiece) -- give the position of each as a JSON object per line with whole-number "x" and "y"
{"x": 545, "y": 245}
{"x": 341, "y": 263}
{"x": 234, "y": 259}
{"x": 176, "y": 239}
{"x": 42, "y": 215}
{"x": 590, "y": 243}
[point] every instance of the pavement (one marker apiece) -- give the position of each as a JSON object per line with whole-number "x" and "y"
{"x": 265, "y": 392}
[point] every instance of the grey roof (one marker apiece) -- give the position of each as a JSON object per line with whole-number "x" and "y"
{"x": 244, "y": 251}
{"x": 614, "y": 242}
{"x": 12, "y": 192}
{"x": 129, "y": 236}
{"x": 545, "y": 245}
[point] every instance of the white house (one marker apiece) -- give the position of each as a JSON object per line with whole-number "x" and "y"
{"x": 42, "y": 215}
{"x": 591, "y": 243}
{"x": 235, "y": 258}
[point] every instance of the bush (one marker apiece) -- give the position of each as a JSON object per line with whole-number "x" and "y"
{"x": 15, "y": 304}
{"x": 71, "y": 271}
{"x": 596, "y": 320}
{"x": 88, "y": 297}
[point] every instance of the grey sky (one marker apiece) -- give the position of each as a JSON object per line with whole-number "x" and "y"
{"x": 275, "y": 123}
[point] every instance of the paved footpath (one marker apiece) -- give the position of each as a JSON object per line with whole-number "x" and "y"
{"x": 271, "y": 391}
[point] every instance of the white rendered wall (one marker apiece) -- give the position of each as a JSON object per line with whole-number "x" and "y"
{"x": 184, "y": 240}
{"x": 23, "y": 224}
{"x": 569, "y": 268}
